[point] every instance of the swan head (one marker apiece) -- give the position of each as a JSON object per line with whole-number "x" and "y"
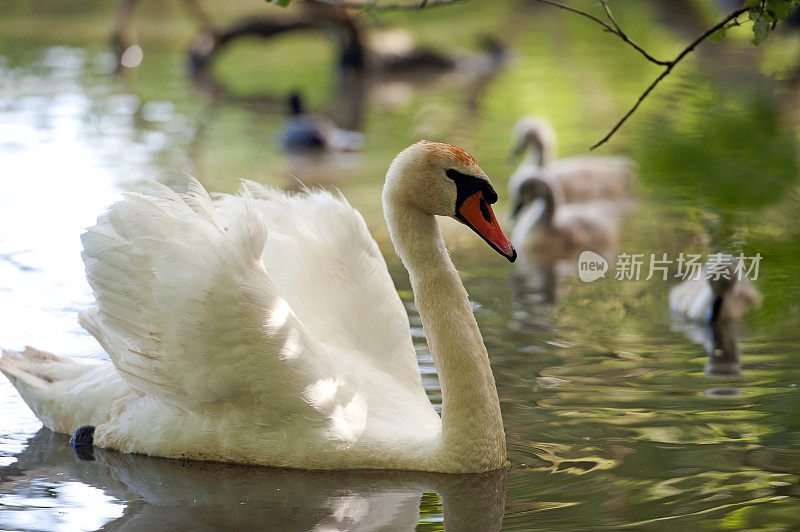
{"x": 444, "y": 180}
{"x": 536, "y": 134}
{"x": 533, "y": 189}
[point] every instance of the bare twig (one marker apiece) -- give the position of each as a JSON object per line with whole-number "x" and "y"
{"x": 670, "y": 65}
{"x": 609, "y": 15}
{"x": 374, "y": 5}
{"x": 613, "y": 29}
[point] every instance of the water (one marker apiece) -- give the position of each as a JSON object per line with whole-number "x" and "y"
{"x": 610, "y": 418}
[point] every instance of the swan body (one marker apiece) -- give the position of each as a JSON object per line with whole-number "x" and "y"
{"x": 696, "y": 299}
{"x": 548, "y": 228}
{"x": 265, "y": 329}
{"x": 582, "y": 178}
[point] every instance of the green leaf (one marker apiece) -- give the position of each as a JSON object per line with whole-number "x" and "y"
{"x": 778, "y": 9}
{"x": 760, "y": 29}
{"x": 282, "y": 3}
{"x": 717, "y": 35}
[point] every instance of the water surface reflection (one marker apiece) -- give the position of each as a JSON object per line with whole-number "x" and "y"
{"x": 126, "y": 492}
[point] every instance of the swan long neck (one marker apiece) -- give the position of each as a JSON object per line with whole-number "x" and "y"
{"x": 472, "y": 426}
{"x": 536, "y": 154}
{"x": 539, "y": 145}
{"x": 548, "y": 211}
{"x": 539, "y": 212}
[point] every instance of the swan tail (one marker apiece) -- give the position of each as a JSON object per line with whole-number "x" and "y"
{"x": 62, "y": 393}
{"x": 39, "y": 377}
{"x": 33, "y": 369}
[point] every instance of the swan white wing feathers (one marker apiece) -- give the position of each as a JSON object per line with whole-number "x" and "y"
{"x": 691, "y": 299}
{"x": 323, "y": 259}
{"x": 185, "y": 309}
{"x": 197, "y": 304}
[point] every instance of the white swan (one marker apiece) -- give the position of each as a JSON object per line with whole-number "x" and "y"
{"x": 583, "y": 178}
{"x": 293, "y": 353}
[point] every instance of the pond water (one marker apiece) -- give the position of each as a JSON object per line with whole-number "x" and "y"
{"x": 610, "y": 418}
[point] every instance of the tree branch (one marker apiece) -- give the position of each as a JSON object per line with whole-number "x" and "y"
{"x": 615, "y": 29}
{"x": 670, "y": 65}
{"x": 374, "y": 5}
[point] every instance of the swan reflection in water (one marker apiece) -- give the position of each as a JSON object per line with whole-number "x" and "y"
{"x": 534, "y": 285}
{"x": 161, "y": 493}
{"x": 719, "y": 340}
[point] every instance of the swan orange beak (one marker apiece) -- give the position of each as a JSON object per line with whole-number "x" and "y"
{"x": 476, "y": 213}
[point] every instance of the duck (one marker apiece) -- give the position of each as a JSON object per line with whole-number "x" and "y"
{"x": 305, "y": 133}
{"x": 264, "y": 328}
{"x": 721, "y": 293}
{"x": 549, "y": 229}
{"x": 583, "y": 178}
